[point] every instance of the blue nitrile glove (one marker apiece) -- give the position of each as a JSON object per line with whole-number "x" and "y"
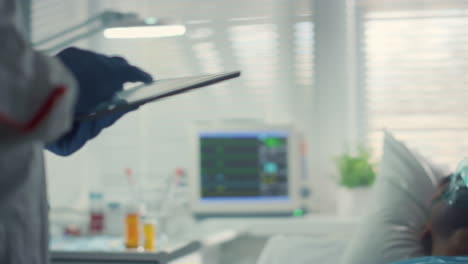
{"x": 81, "y": 132}
{"x": 99, "y": 78}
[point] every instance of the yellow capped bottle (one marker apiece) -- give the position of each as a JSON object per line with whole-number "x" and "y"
{"x": 149, "y": 234}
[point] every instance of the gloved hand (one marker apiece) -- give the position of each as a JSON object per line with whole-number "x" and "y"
{"x": 81, "y": 132}
{"x": 99, "y": 78}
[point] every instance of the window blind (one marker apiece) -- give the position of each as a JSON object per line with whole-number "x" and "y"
{"x": 416, "y": 79}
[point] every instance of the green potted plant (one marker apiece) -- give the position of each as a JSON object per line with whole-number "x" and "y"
{"x": 356, "y": 170}
{"x": 356, "y": 175}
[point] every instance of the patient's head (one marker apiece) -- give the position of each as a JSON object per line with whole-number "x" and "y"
{"x": 447, "y": 229}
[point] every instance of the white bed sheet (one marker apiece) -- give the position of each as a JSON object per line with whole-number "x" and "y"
{"x": 323, "y": 249}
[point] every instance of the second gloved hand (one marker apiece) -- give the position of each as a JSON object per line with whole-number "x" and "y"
{"x": 80, "y": 133}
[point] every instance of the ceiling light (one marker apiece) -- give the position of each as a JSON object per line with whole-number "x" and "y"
{"x": 156, "y": 31}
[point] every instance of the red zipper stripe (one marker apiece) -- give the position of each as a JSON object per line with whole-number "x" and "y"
{"x": 39, "y": 116}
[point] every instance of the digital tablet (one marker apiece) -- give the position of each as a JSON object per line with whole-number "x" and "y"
{"x": 145, "y": 93}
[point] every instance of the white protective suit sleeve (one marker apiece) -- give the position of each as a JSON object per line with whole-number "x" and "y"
{"x": 37, "y": 93}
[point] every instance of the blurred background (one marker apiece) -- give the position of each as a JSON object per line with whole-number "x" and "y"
{"x": 402, "y": 65}
{"x": 339, "y": 72}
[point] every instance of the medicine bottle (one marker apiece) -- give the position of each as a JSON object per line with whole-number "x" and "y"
{"x": 149, "y": 234}
{"x": 96, "y": 213}
{"x": 114, "y": 219}
{"x": 132, "y": 225}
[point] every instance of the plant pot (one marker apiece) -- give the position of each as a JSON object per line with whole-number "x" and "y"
{"x": 353, "y": 202}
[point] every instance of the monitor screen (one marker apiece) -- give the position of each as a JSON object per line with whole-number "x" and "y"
{"x": 237, "y": 166}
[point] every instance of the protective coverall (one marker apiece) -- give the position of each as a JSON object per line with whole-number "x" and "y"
{"x": 37, "y": 96}
{"x": 37, "y": 106}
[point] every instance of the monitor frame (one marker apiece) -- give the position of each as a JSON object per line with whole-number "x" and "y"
{"x": 246, "y": 207}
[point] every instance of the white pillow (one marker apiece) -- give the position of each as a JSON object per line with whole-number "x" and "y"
{"x": 400, "y": 208}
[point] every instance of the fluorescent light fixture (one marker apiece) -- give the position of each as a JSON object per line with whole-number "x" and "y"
{"x": 115, "y": 25}
{"x": 156, "y": 31}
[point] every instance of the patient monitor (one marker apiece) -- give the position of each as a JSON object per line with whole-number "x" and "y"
{"x": 245, "y": 169}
